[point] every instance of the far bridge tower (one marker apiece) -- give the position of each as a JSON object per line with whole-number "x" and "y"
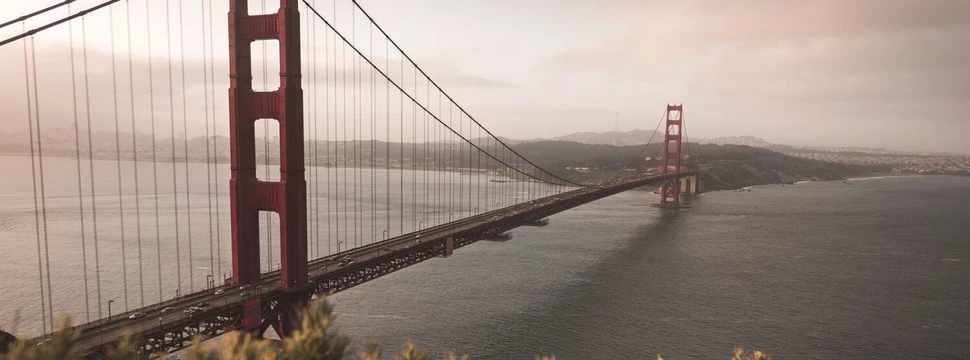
{"x": 671, "y": 160}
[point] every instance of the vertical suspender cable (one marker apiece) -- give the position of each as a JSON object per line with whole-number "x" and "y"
{"x": 478, "y": 180}
{"x": 337, "y": 147}
{"x": 387, "y": 130}
{"x": 151, "y": 96}
{"x": 414, "y": 156}
{"x": 80, "y": 199}
{"x": 424, "y": 156}
{"x": 373, "y": 143}
{"x": 316, "y": 140}
{"x": 439, "y": 174}
{"x": 43, "y": 187}
{"x": 308, "y": 142}
{"x": 185, "y": 145}
{"x": 94, "y": 199}
{"x": 461, "y": 181}
{"x": 134, "y": 154}
{"x": 451, "y": 164}
{"x": 215, "y": 145}
{"x": 171, "y": 117}
{"x": 33, "y": 175}
{"x": 343, "y": 63}
{"x": 359, "y": 146}
{"x": 354, "y": 115}
{"x": 359, "y": 143}
{"x": 326, "y": 80}
{"x": 401, "y": 163}
{"x": 121, "y": 202}
{"x": 208, "y": 151}
{"x": 312, "y": 120}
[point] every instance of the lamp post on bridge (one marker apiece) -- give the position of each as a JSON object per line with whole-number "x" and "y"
{"x": 385, "y": 234}
{"x": 420, "y": 224}
{"x": 209, "y": 281}
{"x": 109, "y": 308}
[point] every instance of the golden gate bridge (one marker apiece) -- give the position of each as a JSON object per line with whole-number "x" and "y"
{"x": 398, "y": 173}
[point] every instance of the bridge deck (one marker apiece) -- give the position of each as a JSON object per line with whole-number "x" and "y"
{"x": 173, "y": 329}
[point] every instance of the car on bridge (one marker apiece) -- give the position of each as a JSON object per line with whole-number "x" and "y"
{"x": 136, "y": 315}
{"x": 346, "y": 261}
{"x": 166, "y": 309}
{"x": 246, "y": 294}
{"x": 192, "y": 310}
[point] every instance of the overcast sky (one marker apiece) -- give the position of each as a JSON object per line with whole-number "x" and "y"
{"x": 879, "y": 73}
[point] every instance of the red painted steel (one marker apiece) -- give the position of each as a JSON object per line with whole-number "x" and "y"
{"x": 249, "y": 196}
{"x": 449, "y": 246}
{"x": 252, "y": 314}
{"x": 670, "y": 191}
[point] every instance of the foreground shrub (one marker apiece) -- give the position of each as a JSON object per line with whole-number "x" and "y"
{"x": 316, "y": 338}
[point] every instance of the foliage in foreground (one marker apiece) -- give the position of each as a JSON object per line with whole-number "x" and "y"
{"x": 316, "y": 339}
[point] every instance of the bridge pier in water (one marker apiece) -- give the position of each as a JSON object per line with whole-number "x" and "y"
{"x": 691, "y": 185}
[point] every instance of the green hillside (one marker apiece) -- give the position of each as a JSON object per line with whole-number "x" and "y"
{"x": 722, "y": 166}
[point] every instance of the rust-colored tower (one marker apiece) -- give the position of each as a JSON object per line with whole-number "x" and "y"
{"x": 248, "y": 196}
{"x": 670, "y": 164}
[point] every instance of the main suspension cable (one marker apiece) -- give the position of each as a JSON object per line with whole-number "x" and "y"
{"x": 404, "y": 93}
{"x": 405, "y": 55}
{"x": 57, "y": 22}
{"x": 22, "y": 20}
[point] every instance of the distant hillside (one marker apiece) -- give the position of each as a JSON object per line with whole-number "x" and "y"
{"x": 736, "y": 166}
{"x": 737, "y": 140}
{"x": 722, "y": 166}
{"x": 639, "y": 137}
{"x": 618, "y": 138}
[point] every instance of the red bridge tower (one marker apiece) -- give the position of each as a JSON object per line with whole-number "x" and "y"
{"x": 248, "y": 195}
{"x": 670, "y": 163}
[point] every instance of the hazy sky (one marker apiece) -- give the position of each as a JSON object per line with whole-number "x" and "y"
{"x": 882, "y": 73}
